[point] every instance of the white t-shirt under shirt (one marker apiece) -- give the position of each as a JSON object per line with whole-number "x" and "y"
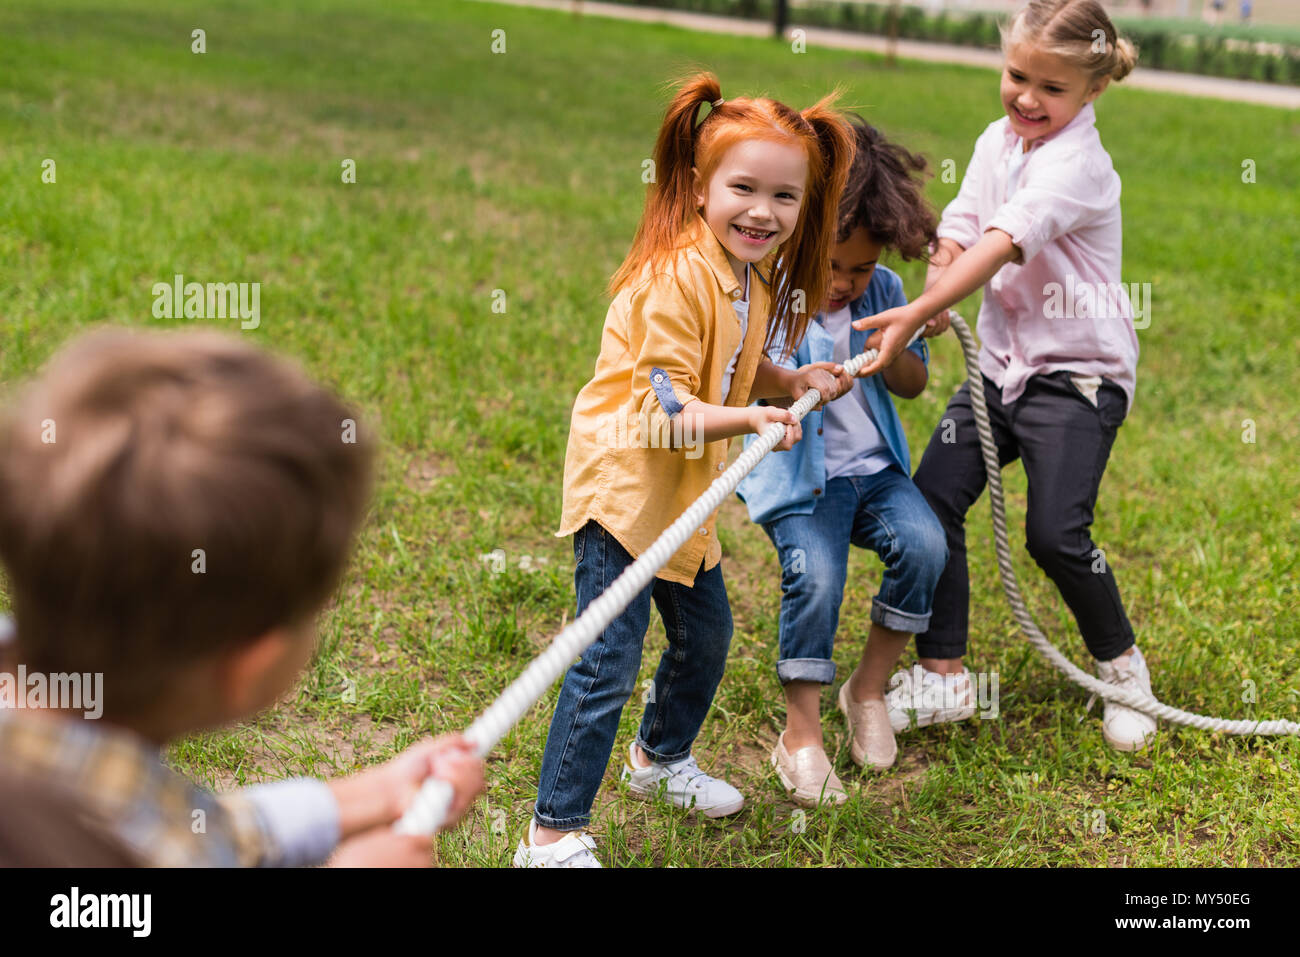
{"x": 1015, "y": 163}
{"x": 742, "y": 312}
{"x": 854, "y": 446}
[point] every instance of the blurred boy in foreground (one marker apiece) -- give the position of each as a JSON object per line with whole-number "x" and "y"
{"x": 175, "y": 508}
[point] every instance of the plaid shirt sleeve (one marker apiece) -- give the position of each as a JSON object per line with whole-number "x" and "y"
{"x": 254, "y": 846}
{"x": 291, "y": 823}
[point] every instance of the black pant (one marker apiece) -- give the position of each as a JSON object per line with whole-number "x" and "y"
{"x": 1064, "y": 442}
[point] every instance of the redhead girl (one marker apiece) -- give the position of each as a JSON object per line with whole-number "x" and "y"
{"x": 732, "y": 253}
{"x": 1038, "y": 212}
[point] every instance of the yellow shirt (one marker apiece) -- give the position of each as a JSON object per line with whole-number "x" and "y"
{"x": 630, "y": 465}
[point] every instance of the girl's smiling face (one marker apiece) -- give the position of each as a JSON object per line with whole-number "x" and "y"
{"x": 1043, "y": 92}
{"x": 753, "y": 199}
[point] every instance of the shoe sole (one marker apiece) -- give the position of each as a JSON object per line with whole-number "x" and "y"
{"x": 652, "y": 797}
{"x": 801, "y": 797}
{"x": 1127, "y": 745}
{"x": 915, "y": 724}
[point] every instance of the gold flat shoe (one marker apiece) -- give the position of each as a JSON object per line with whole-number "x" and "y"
{"x": 807, "y": 775}
{"x": 871, "y": 735}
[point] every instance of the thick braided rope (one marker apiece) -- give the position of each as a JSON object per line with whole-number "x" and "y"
{"x": 1011, "y": 586}
{"x": 428, "y": 809}
{"x": 429, "y": 806}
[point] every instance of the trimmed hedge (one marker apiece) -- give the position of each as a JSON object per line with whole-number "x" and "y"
{"x": 1159, "y": 46}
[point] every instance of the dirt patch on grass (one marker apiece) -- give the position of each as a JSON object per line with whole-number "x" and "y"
{"x": 336, "y": 747}
{"x": 425, "y": 471}
{"x": 357, "y": 739}
{"x": 906, "y": 776}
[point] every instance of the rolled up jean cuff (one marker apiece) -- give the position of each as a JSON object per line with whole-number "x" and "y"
{"x": 897, "y": 620}
{"x": 561, "y": 823}
{"x": 660, "y": 757}
{"x": 805, "y": 669}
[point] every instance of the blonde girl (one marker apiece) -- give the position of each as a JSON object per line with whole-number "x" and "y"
{"x": 1037, "y": 219}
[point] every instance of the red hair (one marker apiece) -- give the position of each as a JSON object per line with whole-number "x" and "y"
{"x": 803, "y": 260}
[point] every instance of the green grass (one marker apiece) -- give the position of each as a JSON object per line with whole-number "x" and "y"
{"x": 521, "y": 172}
{"x": 1231, "y": 27}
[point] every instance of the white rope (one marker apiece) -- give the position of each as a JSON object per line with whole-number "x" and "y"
{"x": 1011, "y": 586}
{"x": 428, "y": 809}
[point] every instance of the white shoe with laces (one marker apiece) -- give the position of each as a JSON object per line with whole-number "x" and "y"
{"x": 681, "y": 783}
{"x": 573, "y": 850}
{"x": 1121, "y": 726}
{"x": 928, "y": 698}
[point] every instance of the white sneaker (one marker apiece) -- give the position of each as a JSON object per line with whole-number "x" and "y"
{"x": 572, "y": 850}
{"x": 681, "y": 783}
{"x": 920, "y": 698}
{"x": 1122, "y": 727}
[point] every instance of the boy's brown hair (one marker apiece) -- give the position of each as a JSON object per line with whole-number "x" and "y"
{"x": 886, "y": 195}
{"x": 133, "y": 451}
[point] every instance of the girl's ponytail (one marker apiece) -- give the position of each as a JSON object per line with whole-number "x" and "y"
{"x": 801, "y": 283}
{"x": 670, "y": 198}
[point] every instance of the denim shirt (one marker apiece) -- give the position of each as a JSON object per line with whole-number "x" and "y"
{"x": 789, "y": 483}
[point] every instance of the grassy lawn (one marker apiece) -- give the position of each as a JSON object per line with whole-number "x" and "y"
{"x": 521, "y": 172}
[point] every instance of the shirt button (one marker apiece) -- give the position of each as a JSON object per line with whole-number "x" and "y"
{"x": 659, "y": 377}
{"x": 819, "y": 431}
{"x": 817, "y": 491}
{"x": 735, "y": 294}
{"x": 704, "y": 531}
{"x": 721, "y": 466}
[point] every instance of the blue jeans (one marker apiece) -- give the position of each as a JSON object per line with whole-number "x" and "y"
{"x": 884, "y": 512}
{"x": 585, "y": 724}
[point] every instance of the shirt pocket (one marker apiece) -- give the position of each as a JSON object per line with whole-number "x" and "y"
{"x": 1112, "y": 404}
